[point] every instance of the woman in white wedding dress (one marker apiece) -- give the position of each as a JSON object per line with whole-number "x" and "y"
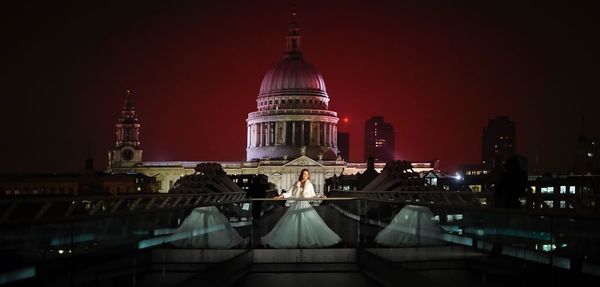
{"x": 300, "y": 226}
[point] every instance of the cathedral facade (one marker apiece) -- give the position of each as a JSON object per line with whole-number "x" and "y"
{"x": 291, "y": 129}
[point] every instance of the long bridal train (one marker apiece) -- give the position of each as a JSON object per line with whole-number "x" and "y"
{"x": 206, "y": 227}
{"x": 412, "y": 226}
{"x": 300, "y": 227}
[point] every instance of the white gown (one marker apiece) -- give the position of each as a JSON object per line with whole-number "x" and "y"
{"x": 412, "y": 226}
{"x": 300, "y": 226}
{"x": 206, "y": 227}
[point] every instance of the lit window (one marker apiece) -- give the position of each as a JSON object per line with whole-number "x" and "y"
{"x": 563, "y": 204}
{"x": 563, "y": 189}
{"x": 572, "y": 189}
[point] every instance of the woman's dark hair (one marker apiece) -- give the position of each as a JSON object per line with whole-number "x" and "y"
{"x": 301, "y": 172}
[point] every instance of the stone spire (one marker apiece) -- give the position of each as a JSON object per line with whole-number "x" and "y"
{"x": 128, "y": 128}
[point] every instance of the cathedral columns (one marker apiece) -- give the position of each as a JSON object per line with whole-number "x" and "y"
{"x": 329, "y": 139}
{"x": 267, "y": 134}
{"x": 271, "y": 133}
{"x": 258, "y": 135}
{"x": 323, "y": 134}
{"x": 293, "y": 133}
{"x": 318, "y": 133}
{"x": 262, "y": 134}
{"x": 334, "y": 135}
{"x": 327, "y": 135}
{"x": 275, "y": 133}
{"x": 302, "y": 141}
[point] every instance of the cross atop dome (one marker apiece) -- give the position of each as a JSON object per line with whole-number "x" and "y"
{"x": 292, "y": 47}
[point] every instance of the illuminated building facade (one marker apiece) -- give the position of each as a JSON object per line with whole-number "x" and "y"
{"x": 292, "y": 129}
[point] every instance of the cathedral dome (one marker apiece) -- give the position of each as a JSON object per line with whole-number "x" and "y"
{"x": 292, "y": 117}
{"x": 293, "y": 75}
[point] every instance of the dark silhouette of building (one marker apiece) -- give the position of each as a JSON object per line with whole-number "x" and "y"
{"x": 379, "y": 140}
{"x": 498, "y": 142}
{"x": 512, "y": 183}
{"x": 86, "y": 182}
{"x": 586, "y": 158}
{"x": 255, "y": 185}
{"x": 343, "y": 141}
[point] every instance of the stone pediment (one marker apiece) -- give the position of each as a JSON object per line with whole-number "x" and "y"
{"x": 303, "y": 161}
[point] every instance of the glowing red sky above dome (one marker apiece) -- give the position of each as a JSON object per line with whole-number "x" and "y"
{"x": 437, "y": 72}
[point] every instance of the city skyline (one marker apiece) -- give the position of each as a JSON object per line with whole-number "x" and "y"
{"x": 408, "y": 62}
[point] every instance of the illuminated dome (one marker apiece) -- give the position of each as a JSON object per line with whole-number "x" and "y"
{"x": 292, "y": 118}
{"x": 293, "y": 75}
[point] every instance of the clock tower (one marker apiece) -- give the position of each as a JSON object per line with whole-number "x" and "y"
{"x": 127, "y": 151}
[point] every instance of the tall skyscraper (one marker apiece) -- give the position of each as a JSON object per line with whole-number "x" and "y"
{"x": 379, "y": 140}
{"x": 343, "y": 142}
{"x": 498, "y": 142}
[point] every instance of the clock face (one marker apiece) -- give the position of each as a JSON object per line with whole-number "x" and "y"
{"x": 127, "y": 154}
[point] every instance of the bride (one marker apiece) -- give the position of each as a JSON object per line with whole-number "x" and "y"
{"x": 300, "y": 226}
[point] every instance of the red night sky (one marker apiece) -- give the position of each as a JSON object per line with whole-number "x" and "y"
{"x": 436, "y": 71}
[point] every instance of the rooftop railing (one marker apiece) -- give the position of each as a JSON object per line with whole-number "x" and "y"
{"x": 141, "y": 240}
